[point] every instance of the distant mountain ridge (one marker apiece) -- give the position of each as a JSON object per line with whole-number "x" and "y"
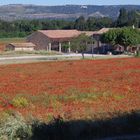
{"x": 20, "y": 11}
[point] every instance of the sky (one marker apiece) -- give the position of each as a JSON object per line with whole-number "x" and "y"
{"x": 63, "y": 2}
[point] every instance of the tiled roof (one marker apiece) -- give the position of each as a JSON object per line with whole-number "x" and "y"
{"x": 65, "y": 35}
{"x": 60, "y": 34}
{"x": 19, "y": 45}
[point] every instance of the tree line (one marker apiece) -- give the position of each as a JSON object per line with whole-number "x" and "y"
{"x": 122, "y": 36}
{"x": 22, "y": 28}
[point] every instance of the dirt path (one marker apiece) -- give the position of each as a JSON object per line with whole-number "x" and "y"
{"x": 39, "y": 58}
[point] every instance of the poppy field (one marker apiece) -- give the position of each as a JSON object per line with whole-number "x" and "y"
{"x": 81, "y": 89}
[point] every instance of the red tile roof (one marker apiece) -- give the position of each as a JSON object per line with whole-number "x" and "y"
{"x": 23, "y": 45}
{"x": 60, "y": 34}
{"x": 65, "y": 35}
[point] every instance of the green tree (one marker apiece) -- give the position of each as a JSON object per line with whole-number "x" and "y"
{"x": 128, "y": 37}
{"x": 133, "y": 18}
{"x": 80, "y": 24}
{"x": 80, "y": 43}
{"x": 110, "y": 37}
{"x": 65, "y": 46}
{"x": 123, "y": 36}
{"x": 98, "y": 23}
{"x": 123, "y": 18}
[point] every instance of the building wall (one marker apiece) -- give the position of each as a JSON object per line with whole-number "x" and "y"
{"x": 10, "y": 47}
{"x": 40, "y": 40}
{"x": 24, "y": 49}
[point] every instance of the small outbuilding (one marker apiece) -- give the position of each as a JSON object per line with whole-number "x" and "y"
{"x": 20, "y": 46}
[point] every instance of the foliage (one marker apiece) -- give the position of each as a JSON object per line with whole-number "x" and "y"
{"x": 128, "y": 18}
{"x": 9, "y": 40}
{"x": 110, "y": 37}
{"x": 80, "y": 24}
{"x": 128, "y": 37}
{"x": 20, "y": 102}
{"x": 123, "y": 36}
{"x": 22, "y": 28}
{"x": 14, "y": 128}
{"x": 65, "y": 46}
{"x": 98, "y": 23}
{"x": 80, "y": 43}
{"x": 123, "y": 18}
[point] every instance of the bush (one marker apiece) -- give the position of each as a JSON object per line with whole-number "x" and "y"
{"x": 15, "y": 128}
{"x": 122, "y": 36}
{"x": 20, "y": 102}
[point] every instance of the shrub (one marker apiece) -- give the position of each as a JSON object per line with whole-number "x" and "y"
{"x": 15, "y": 128}
{"x": 20, "y": 102}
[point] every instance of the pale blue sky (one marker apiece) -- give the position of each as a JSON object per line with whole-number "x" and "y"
{"x": 61, "y": 2}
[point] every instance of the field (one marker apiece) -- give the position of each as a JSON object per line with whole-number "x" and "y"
{"x": 83, "y": 89}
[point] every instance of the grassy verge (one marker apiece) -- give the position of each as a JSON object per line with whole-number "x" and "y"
{"x": 10, "y": 40}
{"x": 20, "y": 53}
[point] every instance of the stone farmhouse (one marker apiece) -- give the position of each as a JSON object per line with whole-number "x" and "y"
{"x": 53, "y": 39}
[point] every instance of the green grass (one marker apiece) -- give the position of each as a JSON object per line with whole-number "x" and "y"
{"x": 10, "y": 40}
{"x": 20, "y": 53}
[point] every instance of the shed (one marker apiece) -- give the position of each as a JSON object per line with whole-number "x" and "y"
{"x": 20, "y": 46}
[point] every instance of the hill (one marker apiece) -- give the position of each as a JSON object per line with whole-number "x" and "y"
{"x": 19, "y": 11}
